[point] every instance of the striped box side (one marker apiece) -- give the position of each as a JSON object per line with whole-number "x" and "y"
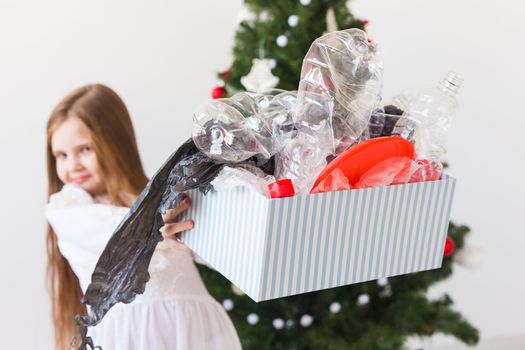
{"x": 338, "y": 238}
{"x": 228, "y": 234}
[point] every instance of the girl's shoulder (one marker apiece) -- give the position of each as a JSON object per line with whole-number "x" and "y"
{"x": 73, "y": 212}
{"x": 70, "y": 196}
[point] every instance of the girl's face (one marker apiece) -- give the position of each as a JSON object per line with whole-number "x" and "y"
{"x": 76, "y": 161}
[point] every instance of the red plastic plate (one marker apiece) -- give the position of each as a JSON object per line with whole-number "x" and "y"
{"x": 355, "y": 161}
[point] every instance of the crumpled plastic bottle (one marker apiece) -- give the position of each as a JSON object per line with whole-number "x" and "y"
{"x": 247, "y": 124}
{"x": 301, "y": 160}
{"x": 341, "y": 81}
{"x": 244, "y": 175}
{"x": 278, "y": 119}
{"x": 228, "y": 129}
{"x": 434, "y": 109}
{"x": 340, "y": 86}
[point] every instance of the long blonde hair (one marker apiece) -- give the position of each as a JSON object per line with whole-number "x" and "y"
{"x": 113, "y": 140}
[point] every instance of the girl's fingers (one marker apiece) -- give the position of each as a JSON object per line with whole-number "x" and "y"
{"x": 171, "y": 214}
{"x": 171, "y": 229}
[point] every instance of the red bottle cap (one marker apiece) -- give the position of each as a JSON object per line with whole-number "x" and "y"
{"x": 281, "y": 188}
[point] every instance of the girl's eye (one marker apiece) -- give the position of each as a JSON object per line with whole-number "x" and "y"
{"x": 86, "y": 149}
{"x": 60, "y": 156}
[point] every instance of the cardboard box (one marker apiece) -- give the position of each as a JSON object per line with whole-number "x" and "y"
{"x": 272, "y": 248}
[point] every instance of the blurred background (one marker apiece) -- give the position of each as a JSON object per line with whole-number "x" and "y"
{"x": 162, "y": 58}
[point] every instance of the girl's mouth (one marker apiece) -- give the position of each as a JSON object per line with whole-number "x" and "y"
{"x": 80, "y": 179}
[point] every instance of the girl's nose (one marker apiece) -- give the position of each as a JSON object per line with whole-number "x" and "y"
{"x": 75, "y": 164}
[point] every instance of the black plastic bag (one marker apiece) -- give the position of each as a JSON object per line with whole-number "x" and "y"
{"x": 121, "y": 272}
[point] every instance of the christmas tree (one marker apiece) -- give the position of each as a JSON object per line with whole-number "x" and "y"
{"x": 269, "y": 48}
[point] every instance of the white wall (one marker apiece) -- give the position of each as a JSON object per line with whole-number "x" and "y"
{"x": 161, "y": 56}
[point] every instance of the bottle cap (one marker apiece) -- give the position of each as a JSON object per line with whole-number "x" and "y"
{"x": 452, "y": 82}
{"x": 281, "y": 188}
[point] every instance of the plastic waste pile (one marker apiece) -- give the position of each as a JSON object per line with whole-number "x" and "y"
{"x": 334, "y": 124}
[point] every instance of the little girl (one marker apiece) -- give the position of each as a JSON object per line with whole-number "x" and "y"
{"x": 95, "y": 174}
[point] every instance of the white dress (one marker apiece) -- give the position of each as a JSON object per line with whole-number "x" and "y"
{"x": 175, "y": 312}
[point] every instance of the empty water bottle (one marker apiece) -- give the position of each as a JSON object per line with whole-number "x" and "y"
{"x": 434, "y": 109}
{"x": 229, "y": 129}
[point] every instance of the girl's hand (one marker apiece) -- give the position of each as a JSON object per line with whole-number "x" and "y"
{"x": 173, "y": 228}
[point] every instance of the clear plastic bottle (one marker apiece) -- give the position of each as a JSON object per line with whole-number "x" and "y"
{"x": 434, "y": 110}
{"x": 246, "y": 124}
{"x": 301, "y": 160}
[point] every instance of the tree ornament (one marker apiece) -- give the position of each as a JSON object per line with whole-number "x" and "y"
{"x": 382, "y": 282}
{"x": 227, "y": 304}
{"x": 278, "y": 323}
{"x": 470, "y": 256}
{"x": 305, "y": 2}
{"x": 252, "y": 319}
{"x": 335, "y": 307}
{"x": 363, "y": 299}
{"x": 281, "y": 40}
{"x": 260, "y": 77}
{"x": 225, "y": 75}
{"x": 450, "y": 247}
{"x": 306, "y": 320}
{"x": 365, "y": 22}
{"x": 218, "y": 92}
{"x": 264, "y": 16}
{"x": 293, "y": 20}
{"x": 289, "y": 323}
{"x": 245, "y": 15}
{"x": 273, "y": 63}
